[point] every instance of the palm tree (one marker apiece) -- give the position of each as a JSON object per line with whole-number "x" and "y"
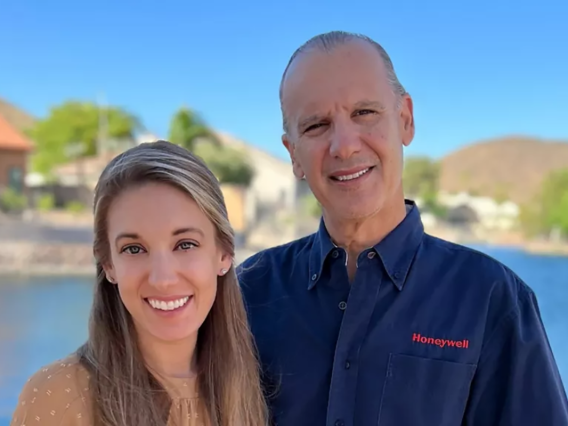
{"x": 187, "y": 128}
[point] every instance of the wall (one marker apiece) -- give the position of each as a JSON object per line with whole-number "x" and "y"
{"x": 235, "y": 197}
{"x": 8, "y": 159}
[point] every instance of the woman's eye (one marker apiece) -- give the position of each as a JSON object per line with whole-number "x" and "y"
{"x": 132, "y": 250}
{"x": 186, "y": 245}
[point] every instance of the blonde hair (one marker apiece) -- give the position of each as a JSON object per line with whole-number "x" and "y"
{"x": 125, "y": 392}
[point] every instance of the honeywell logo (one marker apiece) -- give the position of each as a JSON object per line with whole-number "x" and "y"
{"x": 464, "y": 344}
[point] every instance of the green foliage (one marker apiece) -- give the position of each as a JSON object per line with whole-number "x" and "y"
{"x": 420, "y": 177}
{"x": 12, "y": 201}
{"x": 421, "y": 180}
{"x": 72, "y": 128}
{"x": 311, "y": 206}
{"x": 500, "y": 193}
{"x": 549, "y": 210}
{"x": 228, "y": 164}
{"x": 431, "y": 205}
{"x": 75, "y": 207}
{"x": 46, "y": 202}
{"x": 187, "y": 128}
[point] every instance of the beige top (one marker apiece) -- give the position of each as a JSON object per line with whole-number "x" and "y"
{"x": 58, "y": 395}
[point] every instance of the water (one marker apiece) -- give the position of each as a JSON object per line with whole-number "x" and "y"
{"x": 42, "y": 319}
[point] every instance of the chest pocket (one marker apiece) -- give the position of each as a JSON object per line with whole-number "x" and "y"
{"x": 424, "y": 392}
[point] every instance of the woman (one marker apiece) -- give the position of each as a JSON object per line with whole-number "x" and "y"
{"x": 168, "y": 338}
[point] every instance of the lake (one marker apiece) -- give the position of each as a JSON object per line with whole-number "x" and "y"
{"x": 42, "y": 319}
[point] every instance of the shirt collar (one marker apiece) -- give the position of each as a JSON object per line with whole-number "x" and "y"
{"x": 396, "y": 250}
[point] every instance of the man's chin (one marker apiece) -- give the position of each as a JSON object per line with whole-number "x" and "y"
{"x": 354, "y": 210}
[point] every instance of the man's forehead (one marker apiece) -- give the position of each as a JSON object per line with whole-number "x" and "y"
{"x": 354, "y": 55}
{"x": 350, "y": 74}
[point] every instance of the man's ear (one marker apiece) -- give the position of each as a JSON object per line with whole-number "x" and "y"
{"x": 407, "y": 120}
{"x": 291, "y": 147}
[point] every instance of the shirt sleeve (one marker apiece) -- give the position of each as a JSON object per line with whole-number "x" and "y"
{"x": 51, "y": 397}
{"x": 517, "y": 380}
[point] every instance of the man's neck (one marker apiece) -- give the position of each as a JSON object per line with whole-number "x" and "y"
{"x": 356, "y": 235}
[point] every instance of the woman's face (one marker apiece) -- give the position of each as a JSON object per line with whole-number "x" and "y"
{"x": 165, "y": 260}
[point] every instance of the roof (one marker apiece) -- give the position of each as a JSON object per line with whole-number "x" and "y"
{"x": 253, "y": 151}
{"x": 12, "y": 139}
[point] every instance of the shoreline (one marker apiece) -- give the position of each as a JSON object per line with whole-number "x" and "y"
{"x": 27, "y": 259}
{"x": 22, "y": 258}
{"x": 501, "y": 241}
{"x": 29, "y": 267}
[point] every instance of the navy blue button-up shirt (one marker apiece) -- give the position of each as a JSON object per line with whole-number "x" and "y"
{"x": 429, "y": 333}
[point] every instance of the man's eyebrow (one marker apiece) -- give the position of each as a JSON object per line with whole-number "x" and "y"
{"x": 366, "y": 103}
{"x": 369, "y": 104}
{"x": 309, "y": 120}
{"x": 180, "y": 231}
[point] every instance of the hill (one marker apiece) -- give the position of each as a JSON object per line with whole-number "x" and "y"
{"x": 18, "y": 118}
{"x": 511, "y": 167}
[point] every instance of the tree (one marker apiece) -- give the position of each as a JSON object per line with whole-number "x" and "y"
{"x": 187, "y": 128}
{"x": 420, "y": 177}
{"x": 311, "y": 206}
{"x": 75, "y": 124}
{"x": 549, "y": 209}
{"x": 228, "y": 164}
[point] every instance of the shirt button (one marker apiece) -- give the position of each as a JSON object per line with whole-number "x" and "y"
{"x": 339, "y": 423}
{"x": 371, "y": 254}
{"x": 342, "y": 305}
{"x": 335, "y": 254}
{"x": 314, "y": 277}
{"x": 397, "y": 275}
{"x": 347, "y": 365}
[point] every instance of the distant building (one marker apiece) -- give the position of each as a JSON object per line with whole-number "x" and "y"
{"x": 274, "y": 188}
{"x": 14, "y": 152}
{"x": 273, "y": 194}
{"x": 484, "y": 211}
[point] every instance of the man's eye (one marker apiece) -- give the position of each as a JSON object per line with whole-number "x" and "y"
{"x": 314, "y": 126}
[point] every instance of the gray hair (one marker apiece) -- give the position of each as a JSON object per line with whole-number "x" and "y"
{"x": 329, "y": 41}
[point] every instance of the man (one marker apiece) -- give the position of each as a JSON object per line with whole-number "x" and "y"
{"x": 370, "y": 321}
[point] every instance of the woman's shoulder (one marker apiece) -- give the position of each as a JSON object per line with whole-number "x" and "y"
{"x": 56, "y": 394}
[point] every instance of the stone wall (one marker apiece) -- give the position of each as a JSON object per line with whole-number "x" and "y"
{"x": 32, "y": 258}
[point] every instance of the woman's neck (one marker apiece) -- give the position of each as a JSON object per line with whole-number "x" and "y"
{"x": 169, "y": 359}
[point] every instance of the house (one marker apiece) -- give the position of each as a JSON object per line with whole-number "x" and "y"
{"x": 15, "y": 149}
{"x": 274, "y": 188}
{"x": 488, "y": 213}
{"x": 273, "y": 196}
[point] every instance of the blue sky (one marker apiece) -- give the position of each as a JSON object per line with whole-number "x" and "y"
{"x": 476, "y": 69}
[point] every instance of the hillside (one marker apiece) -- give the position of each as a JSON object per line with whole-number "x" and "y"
{"x": 511, "y": 167}
{"x": 18, "y": 118}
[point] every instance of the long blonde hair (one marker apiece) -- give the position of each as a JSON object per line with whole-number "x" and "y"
{"x": 125, "y": 392}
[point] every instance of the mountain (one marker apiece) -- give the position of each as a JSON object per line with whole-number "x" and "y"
{"x": 18, "y": 118}
{"x": 511, "y": 167}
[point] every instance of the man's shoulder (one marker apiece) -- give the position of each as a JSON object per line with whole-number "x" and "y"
{"x": 266, "y": 258}
{"x": 476, "y": 268}
{"x": 275, "y": 261}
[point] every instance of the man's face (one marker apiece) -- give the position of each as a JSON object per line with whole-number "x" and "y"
{"x": 346, "y": 129}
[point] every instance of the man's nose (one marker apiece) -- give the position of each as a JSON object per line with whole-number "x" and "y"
{"x": 345, "y": 140}
{"x": 163, "y": 271}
